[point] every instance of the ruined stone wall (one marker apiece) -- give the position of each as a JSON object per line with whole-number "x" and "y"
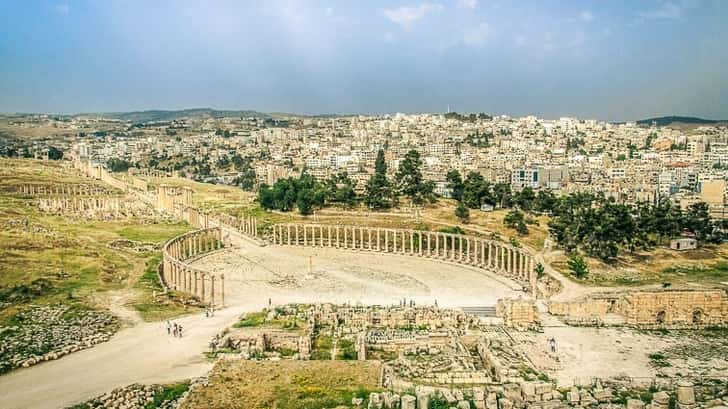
{"x": 594, "y": 306}
{"x": 648, "y": 309}
{"x": 677, "y": 308}
{"x": 517, "y": 313}
{"x": 140, "y": 184}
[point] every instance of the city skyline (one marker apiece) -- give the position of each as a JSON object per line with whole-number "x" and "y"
{"x": 617, "y": 61}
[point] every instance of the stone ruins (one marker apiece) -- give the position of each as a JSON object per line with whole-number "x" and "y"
{"x": 667, "y": 308}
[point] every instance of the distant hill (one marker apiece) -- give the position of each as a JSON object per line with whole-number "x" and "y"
{"x": 160, "y": 115}
{"x": 686, "y": 120}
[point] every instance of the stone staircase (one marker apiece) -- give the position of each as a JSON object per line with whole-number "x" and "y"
{"x": 487, "y": 311}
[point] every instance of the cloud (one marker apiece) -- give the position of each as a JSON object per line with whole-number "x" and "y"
{"x": 468, "y": 4}
{"x": 63, "y": 9}
{"x": 478, "y": 35}
{"x": 586, "y": 16}
{"x": 408, "y": 16}
{"x": 667, "y": 10}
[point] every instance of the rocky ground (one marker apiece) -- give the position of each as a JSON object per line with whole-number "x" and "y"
{"x": 138, "y": 396}
{"x": 44, "y": 333}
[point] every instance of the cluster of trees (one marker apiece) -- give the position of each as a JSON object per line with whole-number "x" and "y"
{"x": 381, "y": 192}
{"x": 479, "y": 140}
{"x": 305, "y": 193}
{"x": 118, "y": 165}
{"x": 11, "y": 152}
{"x": 468, "y": 117}
{"x": 247, "y": 178}
{"x": 600, "y": 227}
{"x": 224, "y": 133}
{"x": 474, "y": 191}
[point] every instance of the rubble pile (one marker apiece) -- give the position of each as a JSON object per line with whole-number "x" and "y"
{"x": 44, "y": 333}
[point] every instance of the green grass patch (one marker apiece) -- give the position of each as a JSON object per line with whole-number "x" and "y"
{"x": 153, "y": 233}
{"x": 168, "y": 394}
{"x": 253, "y": 319}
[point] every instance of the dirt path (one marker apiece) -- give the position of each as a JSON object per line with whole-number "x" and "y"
{"x": 143, "y": 353}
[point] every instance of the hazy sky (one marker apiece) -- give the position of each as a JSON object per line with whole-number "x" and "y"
{"x": 613, "y": 60}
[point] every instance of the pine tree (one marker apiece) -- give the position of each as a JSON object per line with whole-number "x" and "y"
{"x": 378, "y": 191}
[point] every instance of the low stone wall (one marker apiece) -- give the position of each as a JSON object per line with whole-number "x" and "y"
{"x": 515, "y": 263}
{"x": 179, "y": 275}
{"x": 674, "y": 308}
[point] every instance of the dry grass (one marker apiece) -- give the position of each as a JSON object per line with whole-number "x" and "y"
{"x": 285, "y": 384}
{"x": 656, "y": 266}
{"x": 71, "y": 253}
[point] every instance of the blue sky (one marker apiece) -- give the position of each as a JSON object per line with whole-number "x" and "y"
{"x": 612, "y": 60}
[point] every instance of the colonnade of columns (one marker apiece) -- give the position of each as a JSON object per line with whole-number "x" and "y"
{"x": 180, "y": 276}
{"x": 63, "y": 189}
{"x": 462, "y": 249}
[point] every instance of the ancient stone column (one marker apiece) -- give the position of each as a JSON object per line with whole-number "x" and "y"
{"x": 419, "y": 243}
{"x": 378, "y": 245}
{"x": 305, "y": 235}
{"x": 195, "y": 287}
{"x": 297, "y": 242}
{"x": 452, "y": 251}
{"x": 437, "y": 245}
{"x": 522, "y": 268}
{"x": 212, "y": 289}
{"x": 330, "y": 241}
{"x": 369, "y": 234}
{"x": 289, "y": 235}
{"x": 338, "y": 243}
{"x": 411, "y": 243}
{"x": 346, "y": 237}
{"x": 222, "y": 290}
{"x": 467, "y": 253}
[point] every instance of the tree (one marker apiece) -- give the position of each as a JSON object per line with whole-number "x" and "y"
{"x": 545, "y": 201}
{"x": 55, "y": 153}
{"x": 578, "y": 266}
{"x": 409, "y": 178}
{"x": 502, "y": 195}
{"x": 539, "y": 270}
{"x": 304, "y": 201}
{"x": 525, "y": 198}
{"x": 462, "y": 212}
{"x": 476, "y": 191}
{"x": 455, "y": 184}
{"x": 340, "y": 189}
{"x": 697, "y": 220}
{"x": 118, "y": 165}
{"x": 516, "y": 220}
{"x": 378, "y": 191}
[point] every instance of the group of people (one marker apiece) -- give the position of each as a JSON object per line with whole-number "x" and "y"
{"x": 209, "y": 312}
{"x": 174, "y": 329}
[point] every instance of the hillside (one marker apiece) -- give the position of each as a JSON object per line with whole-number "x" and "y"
{"x": 161, "y": 115}
{"x": 673, "y": 119}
